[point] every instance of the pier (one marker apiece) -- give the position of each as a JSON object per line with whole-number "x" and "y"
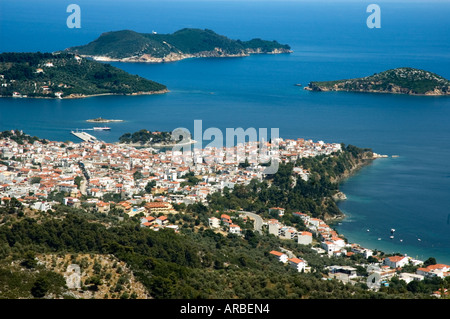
{"x": 85, "y": 136}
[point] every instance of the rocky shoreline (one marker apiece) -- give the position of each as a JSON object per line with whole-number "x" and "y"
{"x": 82, "y": 96}
{"x": 393, "y": 90}
{"x": 404, "y": 80}
{"x": 173, "y": 57}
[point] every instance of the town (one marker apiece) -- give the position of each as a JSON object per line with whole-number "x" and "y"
{"x": 151, "y": 184}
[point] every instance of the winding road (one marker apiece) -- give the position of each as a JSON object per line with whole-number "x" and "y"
{"x": 258, "y": 220}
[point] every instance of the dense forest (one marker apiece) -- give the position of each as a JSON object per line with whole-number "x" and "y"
{"x": 196, "y": 263}
{"x": 44, "y": 74}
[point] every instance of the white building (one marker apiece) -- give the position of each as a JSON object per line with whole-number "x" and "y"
{"x": 42, "y": 206}
{"x": 438, "y": 270}
{"x": 297, "y": 263}
{"x": 235, "y": 229}
{"x": 274, "y": 227}
{"x": 214, "y": 222}
{"x": 287, "y": 232}
{"x": 281, "y": 256}
{"x": 329, "y": 247}
{"x": 407, "y": 277}
{"x": 304, "y": 238}
{"x": 396, "y": 261}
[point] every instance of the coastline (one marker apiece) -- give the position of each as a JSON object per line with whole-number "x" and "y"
{"x": 339, "y": 195}
{"x": 82, "y": 96}
{"x": 323, "y": 89}
{"x": 336, "y": 220}
{"x": 173, "y": 57}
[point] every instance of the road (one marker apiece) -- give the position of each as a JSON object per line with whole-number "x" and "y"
{"x": 83, "y": 186}
{"x": 258, "y": 220}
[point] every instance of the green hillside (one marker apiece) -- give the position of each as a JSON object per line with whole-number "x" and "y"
{"x": 129, "y": 44}
{"x": 401, "y": 80}
{"x": 66, "y": 75}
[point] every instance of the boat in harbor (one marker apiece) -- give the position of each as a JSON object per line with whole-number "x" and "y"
{"x": 102, "y": 128}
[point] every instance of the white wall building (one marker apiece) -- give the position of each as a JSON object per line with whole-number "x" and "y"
{"x": 304, "y": 238}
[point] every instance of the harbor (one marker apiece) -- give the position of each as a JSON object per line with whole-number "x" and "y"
{"x": 86, "y": 137}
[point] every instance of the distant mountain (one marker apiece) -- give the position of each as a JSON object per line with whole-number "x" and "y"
{"x": 401, "y": 80}
{"x": 65, "y": 75}
{"x": 130, "y": 46}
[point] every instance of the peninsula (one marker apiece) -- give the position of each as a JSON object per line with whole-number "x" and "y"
{"x": 131, "y": 46}
{"x": 401, "y": 80}
{"x": 155, "y": 139}
{"x": 65, "y": 75}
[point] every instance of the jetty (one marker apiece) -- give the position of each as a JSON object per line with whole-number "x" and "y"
{"x": 85, "y": 136}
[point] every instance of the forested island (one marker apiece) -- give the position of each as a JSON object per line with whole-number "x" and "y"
{"x": 66, "y": 75}
{"x": 401, "y": 80}
{"x": 131, "y": 46}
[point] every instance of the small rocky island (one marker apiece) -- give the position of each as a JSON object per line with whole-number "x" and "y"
{"x": 401, "y": 80}
{"x": 131, "y": 46}
{"x": 66, "y": 75}
{"x": 102, "y": 120}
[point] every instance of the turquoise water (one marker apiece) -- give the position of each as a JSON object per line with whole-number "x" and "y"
{"x": 330, "y": 41}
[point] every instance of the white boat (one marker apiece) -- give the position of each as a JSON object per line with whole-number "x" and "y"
{"x": 392, "y": 237}
{"x": 103, "y": 128}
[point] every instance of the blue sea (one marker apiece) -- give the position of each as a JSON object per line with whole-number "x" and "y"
{"x": 330, "y": 40}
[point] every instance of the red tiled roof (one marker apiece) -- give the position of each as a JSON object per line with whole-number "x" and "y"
{"x": 276, "y": 253}
{"x": 295, "y": 260}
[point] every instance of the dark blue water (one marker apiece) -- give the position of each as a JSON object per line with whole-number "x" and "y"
{"x": 330, "y": 41}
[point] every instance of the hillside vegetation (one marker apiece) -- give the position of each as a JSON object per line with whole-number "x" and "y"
{"x": 401, "y": 80}
{"x": 66, "y": 75}
{"x": 127, "y": 45}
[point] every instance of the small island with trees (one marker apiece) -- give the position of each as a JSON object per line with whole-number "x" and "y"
{"x": 131, "y": 46}
{"x": 65, "y": 75}
{"x": 102, "y": 120}
{"x": 401, "y": 80}
{"x": 155, "y": 139}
